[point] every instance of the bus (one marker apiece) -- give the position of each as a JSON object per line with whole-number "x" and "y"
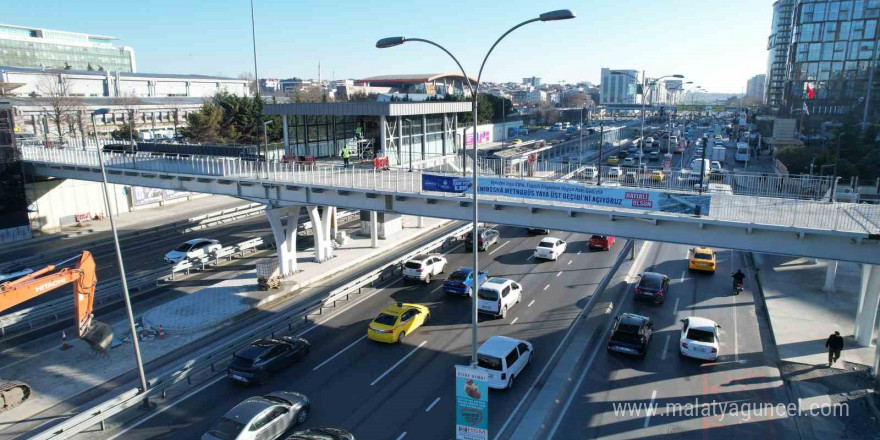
{"x": 742, "y": 152}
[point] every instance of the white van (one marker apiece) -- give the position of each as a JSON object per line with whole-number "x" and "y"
{"x": 498, "y": 295}
{"x": 503, "y": 359}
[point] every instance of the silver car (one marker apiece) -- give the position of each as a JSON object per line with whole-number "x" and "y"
{"x": 261, "y": 418}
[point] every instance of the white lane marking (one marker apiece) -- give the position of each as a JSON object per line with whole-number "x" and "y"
{"x": 27, "y": 357}
{"x": 579, "y": 252}
{"x": 432, "y": 404}
{"x": 412, "y": 352}
{"x": 530, "y": 257}
{"x": 650, "y": 411}
{"x": 675, "y": 307}
{"x": 665, "y": 346}
{"x": 559, "y": 273}
{"x": 401, "y": 436}
{"x": 499, "y": 247}
{"x": 687, "y": 254}
{"x": 546, "y": 287}
{"x": 530, "y": 304}
{"x": 682, "y": 277}
{"x": 735, "y": 333}
{"x": 437, "y": 288}
{"x": 569, "y": 262}
{"x": 340, "y": 352}
{"x": 514, "y": 321}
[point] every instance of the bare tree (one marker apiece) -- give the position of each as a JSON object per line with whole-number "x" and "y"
{"x": 252, "y": 83}
{"x": 60, "y": 106}
{"x": 129, "y": 104}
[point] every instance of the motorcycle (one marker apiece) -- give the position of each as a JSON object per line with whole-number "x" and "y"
{"x": 737, "y": 288}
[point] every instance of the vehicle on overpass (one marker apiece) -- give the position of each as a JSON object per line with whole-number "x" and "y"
{"x": 97, "y": 334}
{"x": 423, "y": 267}
{"x": 497, "y": 296}
{"x": 261, "y": 417}
{"x": 265, "y": 357}
{"x": 699, "y": 338}
{"x": 631, "y": 334}
{"x": 396, "y": 321}
{"x": 702, "y": 259}
{"x": 503, "y": 359}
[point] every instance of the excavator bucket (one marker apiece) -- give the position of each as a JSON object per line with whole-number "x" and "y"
{"x": 99, "y": 336}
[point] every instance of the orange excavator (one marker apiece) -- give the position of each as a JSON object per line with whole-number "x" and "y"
{"x": 97, "y": 334}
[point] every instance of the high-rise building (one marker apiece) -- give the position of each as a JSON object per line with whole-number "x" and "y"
{"x": 833, "y": 53}
{"x": 777, "y": 52}
{"x": 618, "y": 89}
{"x": 50, "y": 49}
{"x": 755, "y": 87}
{"x": 534, "y": 81}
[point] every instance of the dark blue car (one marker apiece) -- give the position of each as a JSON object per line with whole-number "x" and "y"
{"x": 461, "y": 281}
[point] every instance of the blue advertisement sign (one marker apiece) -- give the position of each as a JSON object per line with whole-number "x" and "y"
{"x": 471, "y": 403}
{"x": 450, "y": 184}
{"x": 618, "y": 196}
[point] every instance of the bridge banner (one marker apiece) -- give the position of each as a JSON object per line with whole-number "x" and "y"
{"x": 616, "y": 197}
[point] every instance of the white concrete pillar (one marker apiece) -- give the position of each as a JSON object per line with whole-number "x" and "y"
{"x": 420, "y": 222}
{"x": 830, "y": 275}
{"x": 383, "y": 135}
{"x": 334, "y": 223}
{"x": 374, "y": 229}
{"x": 284, "y": 222}
{"x": 869, "y": 302}
{"x": 319, "y": 234}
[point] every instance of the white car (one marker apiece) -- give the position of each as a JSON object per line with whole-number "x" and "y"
{"x": 504, "y": 359}
{"x": 613, "y": 172}
{"x": 195, "y": 248}
{"x": 498, "y": 295}
{"x": 257, "y": 418}
{"x": 423, "y": 267}
{"x": 715, "y": 167}
{"x": 699, "y": 338}
{"x": 628, "y": 161}
{"x": 550, "y": 248}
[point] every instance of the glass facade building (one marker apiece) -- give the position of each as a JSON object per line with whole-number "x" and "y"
{"x": 834, "y": 51}
{"x": 43, "y": 48}
{"x": 777, "y": 57}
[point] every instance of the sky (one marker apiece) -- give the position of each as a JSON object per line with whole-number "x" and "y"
{"x": 716, "y": 44}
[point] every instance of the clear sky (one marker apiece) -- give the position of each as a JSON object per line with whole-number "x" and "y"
{"x": 717, "y": 44}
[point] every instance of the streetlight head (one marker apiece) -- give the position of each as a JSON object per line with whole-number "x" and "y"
{"x": 100, "y": 111}
{"x": 267, "y": 122}
{"x": 561, "y": 14}
{"x": 678, "y": 76}
{"x": 390, "y": 42}
{"x": 689, "y": 82}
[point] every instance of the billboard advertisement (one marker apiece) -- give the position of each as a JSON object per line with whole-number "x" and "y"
{"x": 144, "y": 196}
{"x": 482, "y": 138}
{"x": 471, "y": 403}
{"x": 615, "y": 197}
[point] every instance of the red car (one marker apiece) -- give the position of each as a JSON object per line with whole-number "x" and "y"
{"x": 603, "y": 242}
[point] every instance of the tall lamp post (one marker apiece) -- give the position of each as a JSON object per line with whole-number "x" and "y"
{"x": 266, "y": 138}
{"x": 645, "y": 85}
{"x": 125, "y": 296}
{"x": 562, "y": 14}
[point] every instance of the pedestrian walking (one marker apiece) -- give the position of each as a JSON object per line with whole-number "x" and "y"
{"x": 834, "y": 345}
{"x": 345, "y": 155}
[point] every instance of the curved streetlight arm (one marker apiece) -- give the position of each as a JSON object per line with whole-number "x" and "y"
{"x": 480, "y": 73}
{"x": 466, "y": 78}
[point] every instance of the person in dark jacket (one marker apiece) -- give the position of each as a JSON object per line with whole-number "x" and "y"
{"x": 834, "y": 345}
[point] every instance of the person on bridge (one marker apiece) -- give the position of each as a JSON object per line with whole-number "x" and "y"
{"x": 834, "y": 345}
{"x": 345, "y": 155}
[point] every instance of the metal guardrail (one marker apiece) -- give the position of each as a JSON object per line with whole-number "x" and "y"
{"x": 209, "y": 361}
{"x": 50, "y": 311}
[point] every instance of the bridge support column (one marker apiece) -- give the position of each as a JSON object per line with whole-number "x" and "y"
{"x": 869, "y": 302}
{"x": 383, "y": 136}
{"x": 374, "y": 229}
{"x": 284, "y": 222}
{"x": 321, "y": 233}
{"x": 830, "y": 275}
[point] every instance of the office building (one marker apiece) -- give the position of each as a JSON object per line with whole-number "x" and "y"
{"x": 534, "y": 81}
{"x": 618, "y": 89}
{"x": 44, "y": 48}
{"x": 755, "y": 87}
{"x": 777, "y": 53}
{"x": 833, "y": 52}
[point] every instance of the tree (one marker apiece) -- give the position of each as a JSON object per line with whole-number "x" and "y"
{"x": 577, "y": 99}
{"x": 128, "y": 103}
{"x": 60, "y": 106}
{"x": 124, "y": 133}
{"x": 100, "y": 68}
{"x": 204, "y": 125}
{"x": 90, "y": 68}
{"x": 67, "y": 66}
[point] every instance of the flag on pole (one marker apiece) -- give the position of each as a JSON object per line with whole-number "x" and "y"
{"x": 806, "y": 111}
{"x": 810, "y": 93}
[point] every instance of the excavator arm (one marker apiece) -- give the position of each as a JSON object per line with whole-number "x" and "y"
{"x": 45, "y": 280}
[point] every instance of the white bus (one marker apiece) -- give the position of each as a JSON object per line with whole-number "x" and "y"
{"x": 742, "y": 152}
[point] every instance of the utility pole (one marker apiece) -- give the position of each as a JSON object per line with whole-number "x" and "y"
{"x": 601, "y": 142}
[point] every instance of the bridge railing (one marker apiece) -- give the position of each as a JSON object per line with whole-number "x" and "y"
{"x": 764, "y": 200}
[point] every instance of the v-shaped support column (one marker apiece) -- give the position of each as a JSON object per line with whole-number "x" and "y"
{"x": 285, "y": 222}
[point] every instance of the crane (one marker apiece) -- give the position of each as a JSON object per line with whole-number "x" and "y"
{"x": 12, "y": 293}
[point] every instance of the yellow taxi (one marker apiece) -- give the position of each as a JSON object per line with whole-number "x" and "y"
{"x": 613, "y": 160}
{"x": 397, "y": 321}
{"x": 657, "y": 176}
{"x": 703, "y": 259}
{"x": 516, "y": 142}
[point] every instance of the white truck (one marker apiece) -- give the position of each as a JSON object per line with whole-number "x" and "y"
{"x": 718, "y": 154}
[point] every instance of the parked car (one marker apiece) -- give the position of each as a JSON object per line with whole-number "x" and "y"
{"x": 550, "y": 248}
{"x": 265, "y": 357}
{"x": 488, "y": 237}
{"x": 396, "y": 321}
{"x": 321, "y": 433}
{"x": 652, "y": 287}
{"x": 423, "y": 267}
{"x": 503, "y": 359}
{"x": 699, "y": 338}
{"x": 498, "y": 295}
{"x": 461, "y": 281}
{"x": 264, "y": 417}
{"x": 603, "y": 242}
{"x": 195, "y": 248}
{"x": 631, "y": 334}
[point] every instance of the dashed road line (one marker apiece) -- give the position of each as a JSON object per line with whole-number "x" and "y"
{"x": 665, "y": 346}
{"x": 340, "y": 352}
{"x": 569, "y": 262}
{"x": 559, "y": 273}
{"x": 675, "y": 307}
{"x": 431, "y": 406}
{"x": 414, "y": 350}
{"x": 650, "y": 411}
{"x": 514, "y": 321}
{"x": 499, "y": 247}
{"x": 546, "y": 287}
{"x": 401, "y": 436}
{"x": 530, "y": 304}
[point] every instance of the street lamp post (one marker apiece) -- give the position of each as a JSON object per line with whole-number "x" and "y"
{"x": 125, "y": 296}
{"x": 562, "y": 14}
{"x": 645, "y": 85}
{"x": 266, "y": 138}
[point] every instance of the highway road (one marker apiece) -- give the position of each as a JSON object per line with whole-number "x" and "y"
{"x": 402, "y": 391}
{"x": 745, "y": 373}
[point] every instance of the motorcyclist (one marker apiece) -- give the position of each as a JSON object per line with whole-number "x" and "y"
{"x": 738, "y": 277}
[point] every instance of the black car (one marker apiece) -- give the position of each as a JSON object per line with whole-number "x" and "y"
{"x": 321, "y": 433}
{"x": 264, "y": 357}
{"x": 488, "y": 237}
{"x": 652, "y": 287}
{"x": 539, "y": 231}
{"x": 631, "y": 334}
